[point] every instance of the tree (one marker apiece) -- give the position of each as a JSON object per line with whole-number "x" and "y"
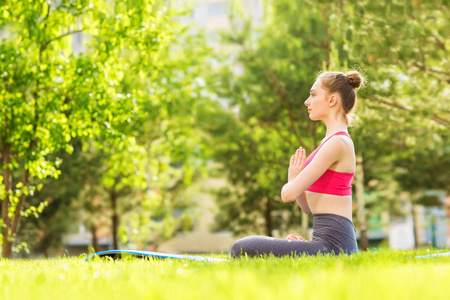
{"x": 49, "y": 94}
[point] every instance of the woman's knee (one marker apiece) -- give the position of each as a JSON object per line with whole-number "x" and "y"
{"x": 242, "y": 246}
{"x": 237, "y": 249}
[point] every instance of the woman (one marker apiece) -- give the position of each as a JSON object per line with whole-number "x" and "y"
{"x": 321, "y": 184}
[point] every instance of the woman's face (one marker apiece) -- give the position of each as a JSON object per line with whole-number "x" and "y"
{"x": 317, "y": 103}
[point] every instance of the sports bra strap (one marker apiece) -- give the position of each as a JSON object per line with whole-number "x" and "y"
{"x": 337, "y": 133}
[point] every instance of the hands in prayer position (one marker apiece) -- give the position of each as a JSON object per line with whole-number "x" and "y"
{"x": 295, "y": 167}
{"x": 296, "y": 163}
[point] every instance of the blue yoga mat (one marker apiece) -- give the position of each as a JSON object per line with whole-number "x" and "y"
{"x": 142, "y": 254}
{"x": 434, "y": 255}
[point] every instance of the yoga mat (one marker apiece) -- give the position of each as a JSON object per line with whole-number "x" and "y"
{"x": 141, "y": 254}
{"x": 434, "y": 255}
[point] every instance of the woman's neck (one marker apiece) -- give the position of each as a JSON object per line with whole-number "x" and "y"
{"x": 334, "y": 126}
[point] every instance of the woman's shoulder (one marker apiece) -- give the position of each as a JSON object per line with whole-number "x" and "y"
{"x": 340, "y": 152}
{"x": 340, "y": 144}
{"x": 339, "y": 140}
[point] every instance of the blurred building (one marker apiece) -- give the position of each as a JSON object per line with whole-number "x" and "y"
{"x": 201, "y": 239}
{"x": 431, "y": 226}
{"x": 431, "y": 220}
{"x": 79, "y": 243}
{"x": 427, "y": 223}
{"x": 401, "y": 230}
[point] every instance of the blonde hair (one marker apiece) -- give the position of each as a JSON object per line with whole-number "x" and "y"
{"x": 345, "y": 85}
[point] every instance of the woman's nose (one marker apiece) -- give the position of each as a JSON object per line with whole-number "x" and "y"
{"x": 306, "y": 102}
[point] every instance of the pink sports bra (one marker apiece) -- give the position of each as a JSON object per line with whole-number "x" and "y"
{"x": 331, "y": 182}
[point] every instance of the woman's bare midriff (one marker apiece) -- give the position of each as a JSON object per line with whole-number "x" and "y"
{"x": 330, "y": 204}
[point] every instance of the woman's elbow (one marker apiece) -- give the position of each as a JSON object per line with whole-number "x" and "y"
{"x": 306, "y": 210}
{"x": 286, "y": 195}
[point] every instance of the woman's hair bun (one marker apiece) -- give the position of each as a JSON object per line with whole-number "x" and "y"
{"x": 354, "y": 79}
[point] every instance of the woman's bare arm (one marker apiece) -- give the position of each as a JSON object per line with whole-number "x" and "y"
{"x": 329, "y": 154}
{"x": 303, "y": 203}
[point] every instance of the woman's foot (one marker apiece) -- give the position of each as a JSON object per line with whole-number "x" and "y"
{"x": 295, "y": 238}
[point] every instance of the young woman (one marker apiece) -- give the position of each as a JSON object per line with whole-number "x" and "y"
{"x": 321, "y": 184}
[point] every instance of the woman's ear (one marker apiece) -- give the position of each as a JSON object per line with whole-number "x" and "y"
{"x": 333, "y": 100}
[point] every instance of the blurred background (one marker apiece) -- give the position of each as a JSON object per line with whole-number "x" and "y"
{"x": 168, "y": 125}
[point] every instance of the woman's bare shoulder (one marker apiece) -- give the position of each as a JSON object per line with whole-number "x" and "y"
{"x": 341, "y": 147}
{"x": 339, "y": 142}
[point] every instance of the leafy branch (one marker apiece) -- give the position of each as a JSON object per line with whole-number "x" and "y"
{"x": 70, "y": 32}
{"x": 391, "y": 103}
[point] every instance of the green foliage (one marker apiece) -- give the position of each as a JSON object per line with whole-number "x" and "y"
{"x": 43, "y": 233}
{"x": 129, "y": 93}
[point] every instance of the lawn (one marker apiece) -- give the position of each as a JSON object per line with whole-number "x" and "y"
{"x": 372, "y": 275}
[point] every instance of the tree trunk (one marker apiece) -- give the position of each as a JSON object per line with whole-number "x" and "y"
{"x": 115, "y": 218}
{"x": 7, "y": 177}
{"x": 17, "y": 214}
{"x": 268, "y": 218}
{"x": 94, "y": 238}
{"x": 361, "y": 213}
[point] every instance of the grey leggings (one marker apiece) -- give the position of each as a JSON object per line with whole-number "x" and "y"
{"x": 331, "y": 234}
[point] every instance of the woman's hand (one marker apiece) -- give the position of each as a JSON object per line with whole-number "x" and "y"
{"x": 295, "y": 238}
{"x": 296, "y": 163}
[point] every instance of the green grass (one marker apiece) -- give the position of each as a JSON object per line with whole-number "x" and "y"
{"x": 373, "y": 275}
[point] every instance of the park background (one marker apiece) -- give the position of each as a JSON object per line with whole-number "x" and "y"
{"x": 167, "y": 125}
